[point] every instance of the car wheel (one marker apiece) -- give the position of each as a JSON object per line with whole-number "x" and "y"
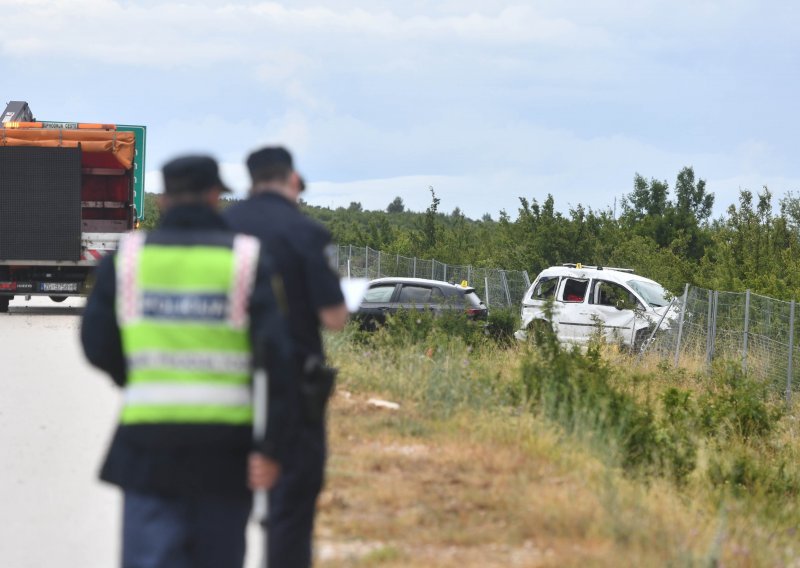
{"x": 4, "y": 301}
{"x": 640, "y": 339}
{"x": 539, "y": 329}
{"x": 58, "y": 299}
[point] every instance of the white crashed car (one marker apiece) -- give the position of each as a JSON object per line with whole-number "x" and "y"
{"x": 586, "y": 300}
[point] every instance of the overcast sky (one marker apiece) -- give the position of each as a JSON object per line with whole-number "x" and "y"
{"x": 485, "y": 101}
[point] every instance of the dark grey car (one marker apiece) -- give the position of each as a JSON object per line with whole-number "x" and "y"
{"x": 387, "y": 295}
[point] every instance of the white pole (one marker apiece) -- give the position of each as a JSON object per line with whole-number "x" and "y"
{"x": 260, "y": 415}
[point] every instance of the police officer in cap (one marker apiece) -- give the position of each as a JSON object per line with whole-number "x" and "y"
{"x": 174, "y": 319}
{"x": 301, "y": 249}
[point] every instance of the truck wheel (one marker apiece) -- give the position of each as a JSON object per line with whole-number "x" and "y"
{"x": 58, "y": 299}
{"x": 4, "y": 300}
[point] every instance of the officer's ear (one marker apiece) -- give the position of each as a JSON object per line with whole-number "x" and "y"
{"x": 296, "y": 183}
{"x": 211, "y": 197}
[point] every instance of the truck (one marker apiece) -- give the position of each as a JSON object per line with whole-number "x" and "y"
{"x": 68, "y": 192}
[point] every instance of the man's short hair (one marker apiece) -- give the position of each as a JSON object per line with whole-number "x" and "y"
{"x": 273, "y": 163}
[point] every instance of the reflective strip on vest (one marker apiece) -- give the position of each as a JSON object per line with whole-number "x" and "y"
{"x": 208, "y": 361}
{"x": 128, "y": 297}
{"x": 245, "y": 259}
{"x": 188, "y": 394}
{"x": 134, "y": 303}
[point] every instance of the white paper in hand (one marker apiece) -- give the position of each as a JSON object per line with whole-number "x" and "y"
{"x": 354, "y": 290}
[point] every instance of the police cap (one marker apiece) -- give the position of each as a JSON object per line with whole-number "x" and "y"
{"x": 191, "y": 174}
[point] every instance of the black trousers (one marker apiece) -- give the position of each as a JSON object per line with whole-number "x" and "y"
{"x": 176, "y": 532}
{"x": 293, "y": 500}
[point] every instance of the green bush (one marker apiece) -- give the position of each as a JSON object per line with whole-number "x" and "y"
{"x": 744, "y": 471}
{"x": 577, "y": 390}
{"x": 502, "y": 324}
{"x": 736, "y": 405}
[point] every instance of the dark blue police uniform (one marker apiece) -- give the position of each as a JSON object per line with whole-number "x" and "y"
{"x": 298, "y": 248}
{"x": 187, "y": 503}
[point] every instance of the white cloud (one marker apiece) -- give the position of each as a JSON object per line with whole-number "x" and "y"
{"x": 168, "y": 34}
{"x": 484, "y": 99}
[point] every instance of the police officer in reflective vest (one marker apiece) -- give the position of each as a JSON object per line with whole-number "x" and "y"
{"x": 301, "y": 250}
{"x": 174, "y": 318}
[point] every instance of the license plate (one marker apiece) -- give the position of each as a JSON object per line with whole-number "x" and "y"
{"x": 59, "y": 287}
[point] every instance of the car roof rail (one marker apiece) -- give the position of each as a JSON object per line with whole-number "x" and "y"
{"x": 579, "y": 266}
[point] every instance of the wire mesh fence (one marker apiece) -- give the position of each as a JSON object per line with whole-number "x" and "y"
{"x": 755, "y": 331}
{"x": 497, "y": 288}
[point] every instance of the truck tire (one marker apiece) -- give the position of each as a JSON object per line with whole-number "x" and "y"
{"x": 4, "y": 300}
{"x": 58, "y": 299}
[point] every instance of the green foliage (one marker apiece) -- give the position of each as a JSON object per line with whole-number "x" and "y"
{"x": 737, "y": 406}
{"x": 577, "y": 390}
{"x": 408, "y": 327}
{"x": 743, "y": 471}
{"x": 151, "y": 211}
{"x": 396, "y": 206}
{"x": 664, "y": 232}
{"x": 502, "y": 325}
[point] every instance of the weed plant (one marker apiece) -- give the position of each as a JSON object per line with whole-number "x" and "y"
{"x": 718, "y": 438}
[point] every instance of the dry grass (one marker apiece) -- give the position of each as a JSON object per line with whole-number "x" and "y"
{"x": 452, "y": 479}
{"x": 498, "y": 490}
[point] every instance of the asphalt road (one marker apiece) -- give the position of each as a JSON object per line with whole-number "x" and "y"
{"x": 56, "y": 417}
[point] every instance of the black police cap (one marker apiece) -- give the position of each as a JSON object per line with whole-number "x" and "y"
{"x": 192, "y": 174}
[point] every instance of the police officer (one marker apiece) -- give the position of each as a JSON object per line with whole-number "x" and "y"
{"x": 173, "y": 319}
{"x": 301, "y": 249}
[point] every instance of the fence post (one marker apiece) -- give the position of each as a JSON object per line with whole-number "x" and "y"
{"x": 445, "y": 273}
{"x": 433, "y": 269}
{"x": 397, "y": 266}
{"x": 680, "y": 324}
{"x": 379, "y": 264}
{"x": 469, "y": 274}
{"x": 790, "y": 365}
{"x": 714, "y": 328}
{"x": 709, "y": 330}
{"x": 415, "y": 267}
{"x": 486, "y": 283}
{"x": 746, "y": 329}
{"x": 527, "y": 279}
{"x": 366, "y": 262}
{"x": 505, "y": 286}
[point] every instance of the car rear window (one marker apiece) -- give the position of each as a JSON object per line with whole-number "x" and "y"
{"x": 473, "y": 299}
{"x": 379, "y": 293}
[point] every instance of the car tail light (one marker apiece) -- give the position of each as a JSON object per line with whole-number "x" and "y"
{"x": 474, "y": 311}
{"x": 8, "y": 286}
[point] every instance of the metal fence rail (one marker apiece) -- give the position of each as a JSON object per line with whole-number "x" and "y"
{"x": 756, "y": 331}
{"x": 497, "y": 288}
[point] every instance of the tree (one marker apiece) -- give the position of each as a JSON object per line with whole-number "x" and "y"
{"x": 692, "y": 201}
{"x": 355, "y": 207}
{"x": 396, "y": 206}
{"x": 427, "y": 234}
